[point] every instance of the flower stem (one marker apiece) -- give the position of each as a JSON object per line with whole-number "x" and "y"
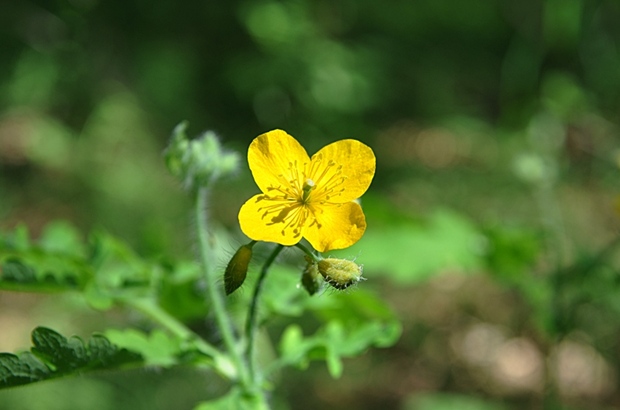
{"x": 215, "y": 294}
{"x": 251, "y": 326}
{"x": 308, "y": 252}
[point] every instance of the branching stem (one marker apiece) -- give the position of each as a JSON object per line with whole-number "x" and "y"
{"x": 215, "y": 293}
{"x": 150, "y": 309}
{"x": 251, "y": 325}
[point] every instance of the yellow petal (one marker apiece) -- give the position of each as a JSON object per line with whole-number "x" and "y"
{"x": 358, "y": 168}
{"x": 338, "y": 226}
{"x": 276, "y": 159}
{"x": 267, "y": 220}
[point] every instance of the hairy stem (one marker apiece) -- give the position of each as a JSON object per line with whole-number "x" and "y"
{"x": 215, "y": 293}
{"x": 149, "y": 308}
{"x": 308, "y": 252}
{"x": 251, "y": 326}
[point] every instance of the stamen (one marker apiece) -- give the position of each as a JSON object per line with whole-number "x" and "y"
{"x": 327, "y": 181}
{"x": 294, "y": 178}
{"x": 312, "y": 211}
{"x": 287, "y": 211}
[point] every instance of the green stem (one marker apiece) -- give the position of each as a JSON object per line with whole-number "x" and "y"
{"x": 308, "y": 252}
{"x": 215, "y": 294}
{"x": 150, "y": 309}
{"x": 251, "y": 326}
{"x": 154, "y": 312}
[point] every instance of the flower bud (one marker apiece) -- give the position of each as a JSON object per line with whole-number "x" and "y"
{"x": 237, "y": 268}
{"x": 310, "y": 277}
{"x": 198, "y": 161}
{"x": 340, "y": 273}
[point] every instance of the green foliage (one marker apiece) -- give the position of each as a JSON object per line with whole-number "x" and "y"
{"x": 53, "y": 355}
{"x": 198, "y": 162}
{"x": 349, "y": 322}
{"x": 449, "y": 402}
{"x": 108, "y": 273}
{"x": 511, "y": 251}
{"x": 60, "y": 261}
{"x": 56, "y": 262}
{"x": 158, "y": 348}
{"x": 82, "y": 139}
{"x": 233, "y": 400}
{"x": 443, "y": 241}
{"x": 104, "y": 269}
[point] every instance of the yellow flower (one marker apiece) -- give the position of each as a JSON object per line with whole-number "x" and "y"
{"x": 307, "y": 197}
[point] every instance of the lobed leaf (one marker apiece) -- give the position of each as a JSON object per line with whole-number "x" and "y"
{"x": 159, "y": 348}
{"x": 101, "y": 267}
{"x": 53, "y": 355}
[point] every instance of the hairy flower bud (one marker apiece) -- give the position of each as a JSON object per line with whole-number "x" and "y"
{"x": 340, "y": 273}
{"x": 198, "y": 161}
{"x": 310, "y": 277}
{"x": 237, "y": 268}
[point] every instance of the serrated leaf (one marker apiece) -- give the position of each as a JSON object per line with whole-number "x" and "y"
{"x": 14, "y": 270}
{"x": 23, "y": 369}
{"x": 60, "y": 261}
{"x": 56, "y": 262}
{"x": 62, "y": 353}
{"x": 19, "y": 274}
{"x": 53, "y": 355}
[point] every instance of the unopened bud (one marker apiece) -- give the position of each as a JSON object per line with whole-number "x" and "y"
{"x": 340, "y": 273}
{"x": 198, "y": 161}
{"x": 237, "y": 268}
{"x": 310, "y": 277}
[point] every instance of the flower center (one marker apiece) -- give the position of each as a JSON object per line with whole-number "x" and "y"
{"x": 306, "y": 189}
{"x": 294, "y": 203}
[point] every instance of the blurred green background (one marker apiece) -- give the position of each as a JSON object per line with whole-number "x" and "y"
{"x": 493, "y": 217}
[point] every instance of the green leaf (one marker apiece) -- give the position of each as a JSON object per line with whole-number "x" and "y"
{"x": 37, "y": 273}
{"x": 179, "y": 292}
{"x": 14, "y": 270}
{"x": 233, "y": 400}
{"x": 103, "y": 268}
{"x": 53, "y": 355}
{"x": 283, "y": 294}
{"x": 116, "y": 264}
{"x": 18, "y": 240}
{"x": 352, "y": 322}
{"x": 56, "y": 262}
{"x": 349, "y": 322}
{"x": 60, "y": 237}
{"x": 158, "y": 348}
{"x": 63, "y": 354}
{"x": 23, "y": 369}
{"x": 411, "y": 252}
